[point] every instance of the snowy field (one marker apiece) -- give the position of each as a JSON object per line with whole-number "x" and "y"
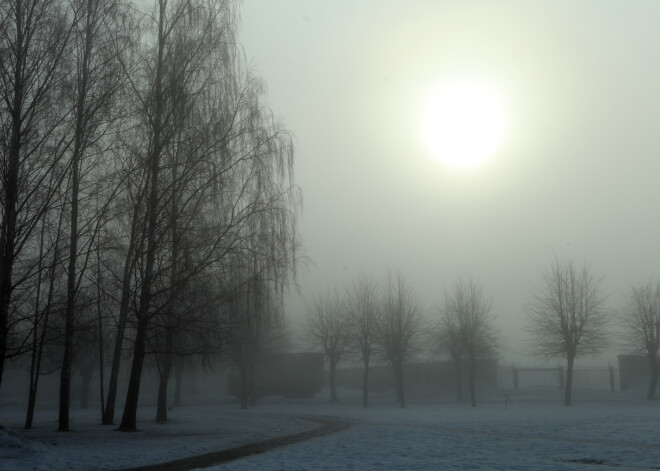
{"x": 534, "y": 432}
{"x": 192, "y": 430}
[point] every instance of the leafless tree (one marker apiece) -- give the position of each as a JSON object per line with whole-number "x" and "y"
{"x": 255, "y": 325}
{"x": 399, "y": 328}
{"x": 641, "y": 320}
{"x": 445, "y": 340}
{"x": 48, "y": 273}
{"x": 328, "y": 324}
{"x": 128, "y": 224}
{"x": 568, "y": 317}
{"x": 97, "y": 81}
{"x": 177, "y": 66}
{"x": 139, "y": 133}
{"x": 218, "y": 170}
{"x": 34, "y": 37}
{"x": 466, "y": 328}
{"x": 363, "y": 305}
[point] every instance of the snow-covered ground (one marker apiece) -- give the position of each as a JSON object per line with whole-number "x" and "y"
{"x": 525, "y": 437}
{"x": 191, "y": 430}
{"x": 533, "y": 432}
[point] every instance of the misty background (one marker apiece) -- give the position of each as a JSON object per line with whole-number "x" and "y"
{"x": 576, "y": 175}
{"x": 209, "y": 205}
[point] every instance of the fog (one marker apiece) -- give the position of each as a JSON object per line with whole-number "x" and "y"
{"x": 392, "y": 233}
{"x": 575, "y": 176}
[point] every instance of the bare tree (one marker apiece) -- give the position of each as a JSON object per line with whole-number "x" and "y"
{"x": 255, "y": 321}
{"x": 188, "y": 36}
{"x": 363, "y": 320}
{"x": 127, "y": 251}
{"x": 445, "y": 339}
{"x": 34, "y": 36}
{"x": 216, "y": 164}
{"x": 46, "y": 275}
{"x": 641, "y": 320}
{"x": 467, "y": 328}
{"x": 568, "y": 317}
{"x": 327, "y": 323}
{"x": 97, "y": 80}
{"x": 399, "y": 329}
{"x": 181, "y": 180}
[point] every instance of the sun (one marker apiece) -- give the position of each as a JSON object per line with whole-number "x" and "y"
{"x": 464, "y": 123}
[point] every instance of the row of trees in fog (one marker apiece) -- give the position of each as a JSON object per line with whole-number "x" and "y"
{"x": 387, "y": 323}
{"x": 567, "y": 317}
{"x": 147, "y": 193}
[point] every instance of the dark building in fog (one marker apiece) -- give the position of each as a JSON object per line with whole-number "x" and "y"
{"x": 634, "y": 370}
{"x": 440, "y": 374}
{"x": 284, "y": 374}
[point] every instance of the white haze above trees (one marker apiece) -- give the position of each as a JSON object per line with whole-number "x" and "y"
{"x": 570, "y": 179}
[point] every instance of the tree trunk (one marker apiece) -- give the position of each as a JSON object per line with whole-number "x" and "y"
{"x": 473, "y": 373}
{"x": 161, "y": 408}
{"x": 86, "y": 377}
{"x": 458, "y": 372}
{"x": 10, "y": 187}
{"x": 569, "y": 380}
{"x": 333, "y": 386}
{"x": 34, "y": 383}
{"x": 99, "y": 313}
{"x": 164, "y": 377}
{"x": 42, "y": 341}
{"x": 32, "y": 399}
{"x": 129, "y": 418}
{"x": 76, "y": 157}
{"x": 245, "y": 386}
{"x": 365, "y": 385}
{"x": 128, "y": 421}
{"x": 35, "y": 358}
{"x": 178, "y": 373}
{"x": 653, "y": 363}
{"x": 124, "y": 306}
{"x": 399, "y": 383}
{"x": 65, "y": 377}
{"x": 252, "y": 390}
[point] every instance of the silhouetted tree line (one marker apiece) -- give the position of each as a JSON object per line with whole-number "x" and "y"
{"x": 567, "y": 318}
{"x": 387, "y": 324}
{"x": 147, "y": 197}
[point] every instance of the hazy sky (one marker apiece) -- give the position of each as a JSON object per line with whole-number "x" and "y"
{"x": 578, "y": 173}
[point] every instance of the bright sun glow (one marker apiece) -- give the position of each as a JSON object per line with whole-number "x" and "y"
{"x": 464, "y": 123}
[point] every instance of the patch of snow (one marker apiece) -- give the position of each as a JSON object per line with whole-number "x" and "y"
{"x": 13, "y": 445}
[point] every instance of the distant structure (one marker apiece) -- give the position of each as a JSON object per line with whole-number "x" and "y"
{"x": 440, "y": 373}
{"x": 284, "y": 374}
{"x": 559, "y": 371}
{"x": 583, "y": 378}
{"x": 633, "y": 368}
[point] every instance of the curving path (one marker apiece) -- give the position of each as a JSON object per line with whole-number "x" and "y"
{"x": 329, "y": 425}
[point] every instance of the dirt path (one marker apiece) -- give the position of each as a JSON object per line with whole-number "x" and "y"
{"x": 329, "y": 425}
